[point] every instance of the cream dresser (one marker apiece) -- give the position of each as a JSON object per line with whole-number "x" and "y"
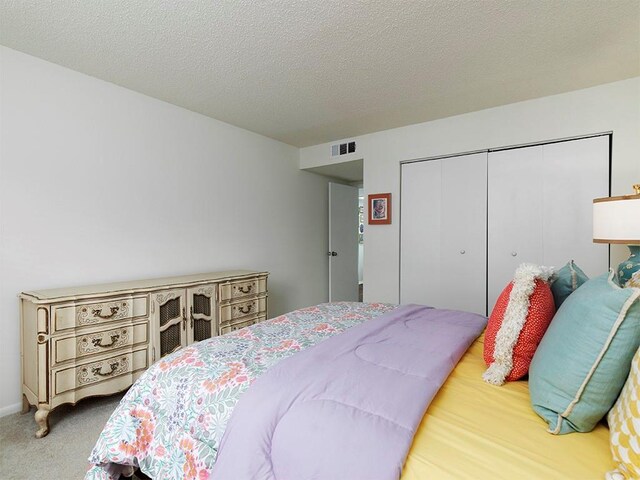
{"x": 97, "y": 340}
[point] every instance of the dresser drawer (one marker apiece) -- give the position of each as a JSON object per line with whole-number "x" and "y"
{"x": 233, "y": 326}
{"x": 100, "y": 341}
{"x": 96, "y": 313}
{"x": 241, "y": 309}
{"x": 242, "y": 288}
{"x": 72, "y": 378}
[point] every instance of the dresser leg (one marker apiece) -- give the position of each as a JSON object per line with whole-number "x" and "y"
{"x": 25, "y": 404}
{"x": 42, "y": 419}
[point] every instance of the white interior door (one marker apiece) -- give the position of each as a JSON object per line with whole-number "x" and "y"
{"x": 343, "y": 243}
{"x": 443, "y": 233}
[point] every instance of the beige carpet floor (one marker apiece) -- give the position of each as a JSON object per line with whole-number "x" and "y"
{"x": 63, "y": 453}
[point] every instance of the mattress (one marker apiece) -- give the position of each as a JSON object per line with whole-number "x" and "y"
{"x": 473, "y": 430}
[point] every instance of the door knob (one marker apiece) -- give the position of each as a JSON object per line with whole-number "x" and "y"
{"x": 332, "y": 254}
{"x": 514, "y": 254}
{"x": 462, "y": 252}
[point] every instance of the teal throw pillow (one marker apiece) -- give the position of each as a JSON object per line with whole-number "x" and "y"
{"x": 567, "y": 280}
{"x": 584, "y": 357}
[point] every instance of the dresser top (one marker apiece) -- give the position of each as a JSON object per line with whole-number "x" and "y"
{"x": 136, "y": 286}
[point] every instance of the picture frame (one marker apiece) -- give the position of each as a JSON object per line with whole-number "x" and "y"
{"x": 379, "y": 208}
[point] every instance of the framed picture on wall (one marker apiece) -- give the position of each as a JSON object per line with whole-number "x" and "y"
{"x": 379, "y": 209}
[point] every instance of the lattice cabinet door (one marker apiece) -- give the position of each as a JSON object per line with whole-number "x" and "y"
{"x": 169, "y": 317}
{"x": 201, "y": 303}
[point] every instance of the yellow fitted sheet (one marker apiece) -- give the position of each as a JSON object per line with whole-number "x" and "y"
{"x": 473, "y": 430}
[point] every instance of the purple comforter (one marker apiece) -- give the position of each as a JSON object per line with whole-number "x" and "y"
{"x": 347, "y": 408}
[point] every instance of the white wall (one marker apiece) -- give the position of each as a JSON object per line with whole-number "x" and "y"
{"x": 99, "y": 183}
{"x": 611, "y": 107}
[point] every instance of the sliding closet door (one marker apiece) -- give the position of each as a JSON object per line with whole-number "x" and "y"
{"x": 515, "y": 215}
{"x": 576, "y": 172}
{"x": 420, "y": 227}
{"x": 540, "y": 208}
{"x": 443, "y": 233}
{"x": 463, "y": 270}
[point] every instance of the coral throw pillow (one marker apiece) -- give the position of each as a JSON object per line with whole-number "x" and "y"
{"x": 517, "y": 324}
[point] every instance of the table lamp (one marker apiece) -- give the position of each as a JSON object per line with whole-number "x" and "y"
{"x": 617, "y": 220}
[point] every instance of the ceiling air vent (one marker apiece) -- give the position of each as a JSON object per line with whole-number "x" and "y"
{"x": 343, "y": 149}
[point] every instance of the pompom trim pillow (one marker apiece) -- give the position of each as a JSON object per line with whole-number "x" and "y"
{"x": 517, "y": 324}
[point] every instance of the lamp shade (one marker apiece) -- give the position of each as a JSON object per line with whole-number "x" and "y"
{"x": 617, "y": 220}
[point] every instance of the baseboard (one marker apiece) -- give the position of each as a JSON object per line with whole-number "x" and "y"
{"x": 10, "y": 409}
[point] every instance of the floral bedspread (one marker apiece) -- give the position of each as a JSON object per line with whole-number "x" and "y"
{"x": 171, "y": 421}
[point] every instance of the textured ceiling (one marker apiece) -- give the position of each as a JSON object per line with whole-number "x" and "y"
{"x": 307, "y": 72}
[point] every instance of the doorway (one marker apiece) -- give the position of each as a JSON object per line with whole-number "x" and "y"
{"x": 346, "y": 226}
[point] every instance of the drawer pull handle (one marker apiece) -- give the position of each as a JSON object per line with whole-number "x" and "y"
{"x": 246, "y": 289}
{"x": 246, "y": 308}
{"x": 98, "y": 313}
{"x": 98, "y": 370}
{"x": 97, "y": 342}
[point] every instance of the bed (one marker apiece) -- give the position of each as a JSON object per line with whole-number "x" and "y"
{"x": 177, "y": 429}
{"x": 473, "y": 430}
